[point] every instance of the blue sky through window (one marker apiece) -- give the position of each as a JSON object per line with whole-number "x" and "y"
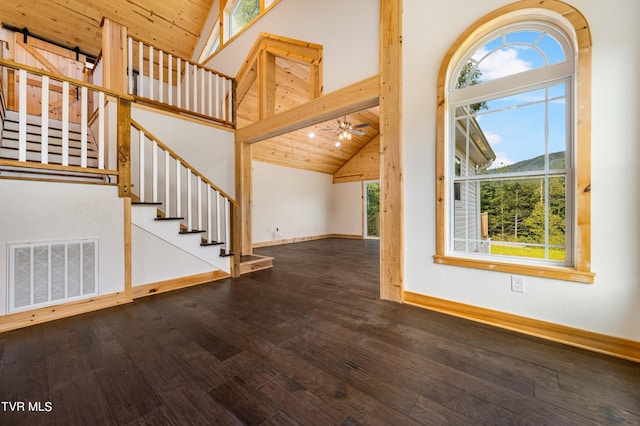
{"x": 518, "y": 126}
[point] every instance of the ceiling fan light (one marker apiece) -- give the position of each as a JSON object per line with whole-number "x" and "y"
{"x": 338, "y": 144}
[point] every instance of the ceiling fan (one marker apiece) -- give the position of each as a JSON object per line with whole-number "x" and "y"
{"x": 345, "y": 129}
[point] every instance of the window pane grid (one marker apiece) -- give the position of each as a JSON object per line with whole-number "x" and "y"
{"x": 510, "y": 171}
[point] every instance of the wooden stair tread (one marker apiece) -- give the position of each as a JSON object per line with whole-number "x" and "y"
{"x": 193, "y": 231}
{"x": 213, "y": 243}
{"x": 10, "y": 139}
{"x": 36, "y": 120}
{"x": 53, "y": 150}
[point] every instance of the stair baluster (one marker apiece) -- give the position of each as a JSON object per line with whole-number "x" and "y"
{"x": 192, "y": 93}
{"x": 44, "y": 124}
{"x": 208, "y": 213}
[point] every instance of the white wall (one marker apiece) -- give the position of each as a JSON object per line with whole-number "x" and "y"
{"x": 348, "y": 31}
{"x": 155, "y": 260}
{"x": 612, "y": 304}
{"x": 44, "y": 211}
{"x": 347, "y": 214}
{"x": 209, "y": 149}
{"x": 297, "y": 202}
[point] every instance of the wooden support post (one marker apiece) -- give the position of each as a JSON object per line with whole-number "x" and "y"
{"x": 266, "y": 84}
{"x": 128, "y": 262}
{"x": 124, "y": 147}
{"x": 236, "y": 239}
{"x": 243, "y": 196}
{"x": 391, "y": 224}
{"x": 114, "y": 55}
{"x": 315, "y": 80}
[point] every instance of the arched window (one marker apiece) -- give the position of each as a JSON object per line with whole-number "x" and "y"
{"x": 512, "y": 160}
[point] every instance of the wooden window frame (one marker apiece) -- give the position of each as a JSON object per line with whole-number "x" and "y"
{"x": 575, "y": 24}
{"x": 222, "y": 24}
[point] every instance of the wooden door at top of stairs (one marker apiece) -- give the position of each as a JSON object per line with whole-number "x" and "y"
{"x": 45, "y": 56}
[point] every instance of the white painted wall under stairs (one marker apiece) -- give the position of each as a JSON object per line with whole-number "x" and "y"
{"x": 144, "y": 217}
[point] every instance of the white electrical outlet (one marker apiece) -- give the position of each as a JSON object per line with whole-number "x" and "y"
{"x": 517, "y": 283}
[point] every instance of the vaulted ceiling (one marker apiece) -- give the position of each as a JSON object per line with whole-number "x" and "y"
{"x": 174, "y": 26}
{"x": 317, "y": 147}
{"x": 171, "y": 25}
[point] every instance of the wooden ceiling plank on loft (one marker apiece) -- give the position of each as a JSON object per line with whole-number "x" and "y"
{"x": 294, "y": 163}
{"x": 175, "y": 25}
{"x": 364, "y": 165}
{"x": 291, "y": 149}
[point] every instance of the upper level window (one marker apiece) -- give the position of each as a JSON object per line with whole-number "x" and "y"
{"x": 213, "y": 43}
{"x": 241, "y": 13}
{"x": 510, "y": 153}
{"x": 235, "y": 15}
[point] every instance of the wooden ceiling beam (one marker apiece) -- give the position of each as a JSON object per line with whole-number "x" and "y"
{"x": 362, "y": 95}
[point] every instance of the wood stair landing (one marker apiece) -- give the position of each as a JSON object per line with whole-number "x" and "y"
{"x": 254, "y": 262}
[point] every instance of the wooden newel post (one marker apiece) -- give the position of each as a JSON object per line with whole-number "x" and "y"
{"x": 124, "y": 147}
{"x": 114, "y": 55}
{"x": 236, "y": 240}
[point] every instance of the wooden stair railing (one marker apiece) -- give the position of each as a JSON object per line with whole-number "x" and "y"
{"x": 181, "y": 192}
{"x": 167, "y": 80}
{"x": 58, "y": 156}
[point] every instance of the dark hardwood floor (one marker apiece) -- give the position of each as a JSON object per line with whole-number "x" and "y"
{"x": 307, "y": 342}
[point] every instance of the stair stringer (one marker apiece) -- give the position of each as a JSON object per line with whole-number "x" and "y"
{"x": 144, "y": 217}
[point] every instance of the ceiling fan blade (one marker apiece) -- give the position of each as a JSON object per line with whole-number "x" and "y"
{"x": 356, "y": 132}
{"x": 360, "y": 126}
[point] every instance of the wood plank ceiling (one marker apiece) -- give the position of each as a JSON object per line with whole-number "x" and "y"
{"x": 172, "y": 25}
{"x": 297, "y": 149}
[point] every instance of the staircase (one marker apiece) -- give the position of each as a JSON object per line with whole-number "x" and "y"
{"x": 177, "y": 204}
{"x": 9, "y": 148}
{"x": 150, "y": 218}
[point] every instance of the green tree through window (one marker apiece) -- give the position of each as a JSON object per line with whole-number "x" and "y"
{"x": 243, "y": 12}
{"x": 373, "y": 209}
{"x": 513, "y": 140}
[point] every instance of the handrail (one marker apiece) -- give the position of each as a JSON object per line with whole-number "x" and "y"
{"x": 148, "y": 134}
{"x": 56, "y": 167}
{"x": 201, "y": 208}
{"x": 179, "y": 83}
{"x": 148, "y": 43}
{"x": 62, "y": 160}
{"x": 18, "y": 66}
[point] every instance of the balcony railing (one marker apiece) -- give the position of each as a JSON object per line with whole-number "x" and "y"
{"x": 60, "y": 123}
{"x": 160, "y": 77}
